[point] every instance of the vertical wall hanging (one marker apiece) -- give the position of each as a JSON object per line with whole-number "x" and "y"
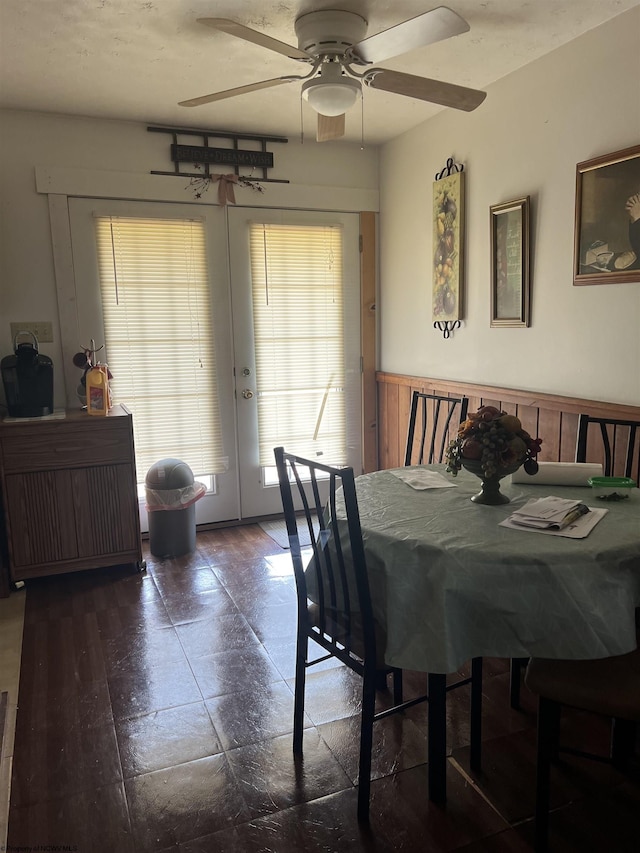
{"x": 448, "y": 243}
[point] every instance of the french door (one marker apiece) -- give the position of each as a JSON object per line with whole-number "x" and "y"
{"x": 154, "y": 312}
{"x": 295, "y": 282}
{"x": 304, "y": 321}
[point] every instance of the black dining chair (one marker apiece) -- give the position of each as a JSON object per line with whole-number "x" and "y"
{"x": 433, "y": 421}
{"x": 609, "y": 687}
{"x": 606, "y": 440}
{"x": 334, "y": 603}
{"x": 612, "y": 442}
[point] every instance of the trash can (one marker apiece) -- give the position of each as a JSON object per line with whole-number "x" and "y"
{"x": 171, "y": 496}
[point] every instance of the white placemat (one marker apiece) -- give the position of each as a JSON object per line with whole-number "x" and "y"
{"x": 419, "y": 478}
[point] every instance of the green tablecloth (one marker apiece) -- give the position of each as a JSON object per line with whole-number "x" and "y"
{"x": 450, "y": 584}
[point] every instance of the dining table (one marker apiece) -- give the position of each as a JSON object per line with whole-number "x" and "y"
{"x": 451, "y": 584}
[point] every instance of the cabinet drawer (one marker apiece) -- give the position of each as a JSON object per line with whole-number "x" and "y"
{"x": 37, "y": 451}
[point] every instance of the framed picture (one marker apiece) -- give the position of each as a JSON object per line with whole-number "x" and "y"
{"x": 607, "y": 227}
{"x": 448, "y": 240}
{"x": 510, "y": 296}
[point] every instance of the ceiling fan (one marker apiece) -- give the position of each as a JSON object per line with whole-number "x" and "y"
{"x": 332, "y": 42}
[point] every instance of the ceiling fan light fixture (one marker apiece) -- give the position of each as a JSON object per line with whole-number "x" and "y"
{"x": 331, "y": 41}
{"x": 332, "y": 98}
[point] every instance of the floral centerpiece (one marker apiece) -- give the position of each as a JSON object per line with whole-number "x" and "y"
{"x": 492, "y": 444}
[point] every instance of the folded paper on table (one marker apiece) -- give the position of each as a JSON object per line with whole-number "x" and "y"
{"x": 579, "y": 529}
{"x": 421, "y": 478}
{"x": 549, "y": 513}
{"x": 559, "y": 474}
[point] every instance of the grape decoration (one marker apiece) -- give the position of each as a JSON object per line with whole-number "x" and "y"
{"x": 445, "y": 260}
{"x": 496, "y": 440}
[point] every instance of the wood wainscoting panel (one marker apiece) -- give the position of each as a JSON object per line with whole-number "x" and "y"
{"x": 552, "y": 417}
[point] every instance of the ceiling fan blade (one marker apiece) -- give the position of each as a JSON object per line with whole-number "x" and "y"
{"x": 329, "y": 127}
{"x": 434, "y": 91}
{"x": 438, "y": 24}
{"x": 242, "y": 32}
{"x": 240, "y": 90}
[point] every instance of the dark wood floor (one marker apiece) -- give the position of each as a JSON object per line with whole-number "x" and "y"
{"x": 155, "y": 714}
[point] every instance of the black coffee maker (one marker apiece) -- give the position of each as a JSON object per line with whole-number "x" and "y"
{"x": 28, "y": 379}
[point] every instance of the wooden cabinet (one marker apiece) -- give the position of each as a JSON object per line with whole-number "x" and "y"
{"x": 69, "y": 493}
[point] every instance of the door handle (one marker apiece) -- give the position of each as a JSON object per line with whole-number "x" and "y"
{"x": 247, "y": 393}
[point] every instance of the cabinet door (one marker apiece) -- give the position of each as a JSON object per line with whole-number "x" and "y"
{"x": 40, "y": 507}
{"x": 105, "y": 500}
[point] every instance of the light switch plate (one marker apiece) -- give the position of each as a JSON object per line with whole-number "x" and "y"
{"x": 42, "y": 329}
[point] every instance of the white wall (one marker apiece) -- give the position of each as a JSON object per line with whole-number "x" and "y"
{"x": 78, "y": 156}
{"x": 579, "y": 102}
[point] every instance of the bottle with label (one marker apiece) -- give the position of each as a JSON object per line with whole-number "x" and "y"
{"x": 97, "y": 384}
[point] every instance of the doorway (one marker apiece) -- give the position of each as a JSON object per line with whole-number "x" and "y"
{"x": 242, "y": 249}
{"x": 295, "y": 284}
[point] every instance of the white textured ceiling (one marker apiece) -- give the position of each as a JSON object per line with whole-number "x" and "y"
{"x": 135, "y": 59}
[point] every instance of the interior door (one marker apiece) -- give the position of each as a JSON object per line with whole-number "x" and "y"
{"x": 259, "y": 493}
{"x": 221, "y": 502}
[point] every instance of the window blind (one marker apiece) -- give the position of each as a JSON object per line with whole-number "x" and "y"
{"x": 298, "y": 308}
{"x": 159, "y": 342}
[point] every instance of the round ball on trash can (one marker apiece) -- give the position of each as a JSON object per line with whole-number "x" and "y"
{"x": 169, "y": 473}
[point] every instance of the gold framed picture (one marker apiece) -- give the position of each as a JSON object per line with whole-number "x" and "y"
{"x": 510, "y": 285}
{"x": 607, "y": 219}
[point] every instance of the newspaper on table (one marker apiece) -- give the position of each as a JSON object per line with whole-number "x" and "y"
{"x": 558, "y": 516}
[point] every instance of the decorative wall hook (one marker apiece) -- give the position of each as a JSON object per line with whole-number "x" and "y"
{"x": 450, "y": 169}
{"x": 447, "y": 327}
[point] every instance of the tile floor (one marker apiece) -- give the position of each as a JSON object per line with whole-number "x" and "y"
{"x": 155, "y": 714}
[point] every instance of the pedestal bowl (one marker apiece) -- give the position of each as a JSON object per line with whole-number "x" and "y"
{"x": 490, "y": 493}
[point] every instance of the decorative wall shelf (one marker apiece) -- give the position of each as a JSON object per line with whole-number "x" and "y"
{"x": 228, "y": 156}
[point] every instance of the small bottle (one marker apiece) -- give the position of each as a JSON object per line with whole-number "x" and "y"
{"x": 97, "y": 383}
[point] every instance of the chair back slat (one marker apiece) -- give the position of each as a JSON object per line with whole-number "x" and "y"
{"x": 331, "y": 573}
{"x": 433, "y": 422}
{"x": 612, "y": 442}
